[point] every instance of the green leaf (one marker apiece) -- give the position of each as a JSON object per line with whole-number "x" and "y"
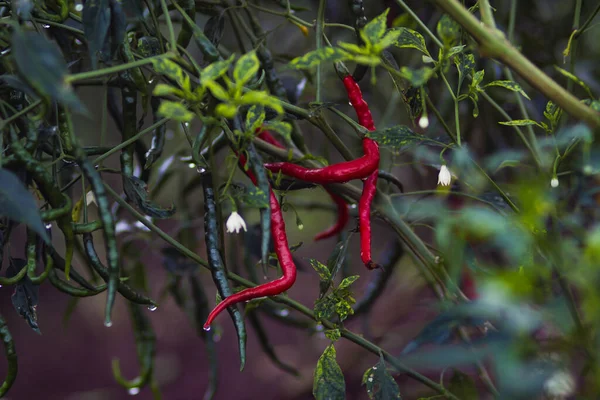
{"x": 333, "y": 334}
{"x": 575, "y": 79}
{"x": 375, "y": 29}
{"x": 281, "y": 127}
{"x": 255, "y": 198}
{"x": 417, "y": 77}
{"x": 520, "y": 122}
{"x": 477, "y": 78}
{"x": 463, "y": 386}
{"x": 172, "y": 71}
{"x": 354, "y": 48}
{"x": 175, "y": 111}
{"x": 390, "y": 38}
{"x": 163, "y": 89}
{"x": 346, "y": 282}
{"x": 552, "y": 112}
{"x": 465, "y": 63}
{"x": 410, "y": 39}
{"x": 226, "y": 110}
{"x": 218, "y": 91}
{"x": 510, "y": 85}
{"x": 245, "y": 68}
{"x": 137, "y": 193}
{"x": 96, "y": 23}
{"x": 215, "y": 70}
{"x": 313, "y": 58}
{"x": 448, "y": 30}
{"x": 42, "y": 64}
{"x": 397, "y": 137}
{"x": 329, "y": 381}
{"x": 261, "y": 98}
{"x": 255, "y": 118}
{"x": 18, "y": 204}
{"x": 379, "y": 383}
{"x": 322, "y": 270}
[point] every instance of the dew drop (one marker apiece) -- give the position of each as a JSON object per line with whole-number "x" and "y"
{"x": 349, "y": 103}
{"x": 284, "y": 312}
{"x": 79, "y": 7}
{"x": 78, "y": 42}
{"x": 45, "y": 26}
{"x": 49, "y": 226}
{"x": 206, "y": 328}
{"x": 370, "y": 379}
{"x": 0, "y": 285}
{"x": 133, "y": 391}
{"x": 152, "y": 307}
{"x": 374, "y": 367}
{"x": 201, "y": 170}
{"x": 353, "y": 205}
{"x": 192, "y": 165}
{"x": 300, "y": 226}
{"x": 108, "y": 324}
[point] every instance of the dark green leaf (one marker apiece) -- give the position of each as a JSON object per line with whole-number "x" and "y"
{"x": 313, "y": 58}
{"x": 411, "y": 39}
{"x": 465, "y": 63}
{"x": 25, "y": 296}
{"x": 137, "y": 193}
{"x": 42, "y": 65}
{"x": 380, "y": 384}
{"x": 398, "y": 137}
{"x": 329, "y": 381}
{"x": 96, "y": 23}
{"x": 214, "y": 28}
{"x": 510, "y": 85}
{"x": 448, "y": 30}
{"x": 333, "y": 334}
{"x": 322, "y": 270}
{"x": 18, "y": 204}
{"x": 463, "y": 386}
{"x": 255, "y": 197}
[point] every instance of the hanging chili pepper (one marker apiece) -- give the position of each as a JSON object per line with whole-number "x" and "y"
{"x": 32, "y": 259}
{"x": 282, "y": 250}
{"x": 215, "y": 260}
{"x": 11, "y": 358}
{"x": 342, "y": 172}
{"x": 364, "y": 214}
{"x": 71, "y": 290}
{"x": 342, "y": 206}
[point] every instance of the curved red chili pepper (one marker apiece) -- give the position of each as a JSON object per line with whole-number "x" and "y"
{"x": 360, "y": 105}
{"x": 284, "y": 255}
{"x": 364, "y": 214}
{"x": 342, "y": 220}
{"x": 336, "y": 173}
{"x": 342, "y": 206}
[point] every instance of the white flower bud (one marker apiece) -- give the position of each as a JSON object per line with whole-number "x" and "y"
{"x": 554, "y": 182}
{"x": 424, "y": 122}
{"x": 445, "y": 177}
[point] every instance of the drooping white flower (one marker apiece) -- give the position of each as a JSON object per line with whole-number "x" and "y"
{"x": 554, "y": 182}
{"x": 424, "y": 122}
{"x": 445, "y": 177}
{"x": 235, "y": 222}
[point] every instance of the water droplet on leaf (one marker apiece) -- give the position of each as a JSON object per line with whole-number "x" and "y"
{"x": 152, "y": 308}
{"x": 206, "y": 328}
{"x": 108, "y": 324}
{"x": 133, "y": 391}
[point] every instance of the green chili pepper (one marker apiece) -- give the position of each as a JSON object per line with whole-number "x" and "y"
{"x": 71, "y": 290}
{"x": 256, "y": 164}
{"x": 215, "y": 260}
{"x": 56, "y": 213}
{"x": 52, "y": 194}
{"x": 125, "y": 290}
{"x": 158, "y": 138}
{"x": 63, "y": 11}
{"x": 32, "y": 259}
{"x": 129, "y": 98}
{"x": 145, "y": 343}
{"x": 200, "y": 313}
{"x": 197, "y": 145}
{"x": 112, "y": 254}
{"x": 208, "y": 49}
{"x": 87, "y": 227}
{"x": 11, "y": 358}
{"x": 136, "y": 74}
{"x": 266, "y": 346}
{"x": 185, "y": 34}
{"x": 63, "y": 130}
{"x": 12, "y": 280}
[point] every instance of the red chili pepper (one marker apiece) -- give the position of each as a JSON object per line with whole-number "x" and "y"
{"x": 364, "y": 214}
{"x": 342, "y": 206}
{"x": 336, "y": 173}
{"x": 284, "y": 255}
{"x": 360, "y": 105}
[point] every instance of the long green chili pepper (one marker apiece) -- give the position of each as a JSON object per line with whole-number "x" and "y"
{"x": 56, "y": 213}
{"x": 158, "y": 137}
{"x": 71, "y": 290}
{"x": 186, "y": 32}
{"x": 215, "y": 260}
{"x": 256, "y": 164}
{"x": 266, "y": 346}
{"x": 112, "y": 254}
{"x": 51, "y": 193}
{"x": 63, "y": 12}
{"x": 11, "y": 358}
{"x": 207, "y": 48}
{"x": 63, "y": 130}
{"x": 200, "y": 313}
{"x": 59, "y": 263}
{"x": 145, "y": 343}
{"x": 125, "y": 290}
{"x": 87, "y": 227}
{"x": 129, "y": 99}
{"x": 32, "y": 259}
{"x": 14, "y": 279}
{"x": 135, "y": 73}
{"x": 381, "y": 276}
{"x": 197, "y": 145}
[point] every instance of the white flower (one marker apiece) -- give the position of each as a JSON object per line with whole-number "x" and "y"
{"x": 90, "y": 198}
{"x": 424, "y": 122}
{"x": 445, "y": 177}
{"x": 554, "y": 182}
{"x": 560, "y": 385}
{"x": 235, "y": 222}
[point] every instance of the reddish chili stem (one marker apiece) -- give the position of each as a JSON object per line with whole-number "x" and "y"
{"x": 337, "y": 173}
{"x": 284, "y": 255}
{"x": 364, "y": 214}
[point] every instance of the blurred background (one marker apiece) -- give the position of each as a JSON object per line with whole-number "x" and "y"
{"x": 72, "y": 357}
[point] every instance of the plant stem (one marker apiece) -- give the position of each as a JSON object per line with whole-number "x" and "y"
{"x": 494, "y": 45}
{"x": 172, "y": 38}
{"x": 117, "y": 68}
{"x": 320, "y": 23}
